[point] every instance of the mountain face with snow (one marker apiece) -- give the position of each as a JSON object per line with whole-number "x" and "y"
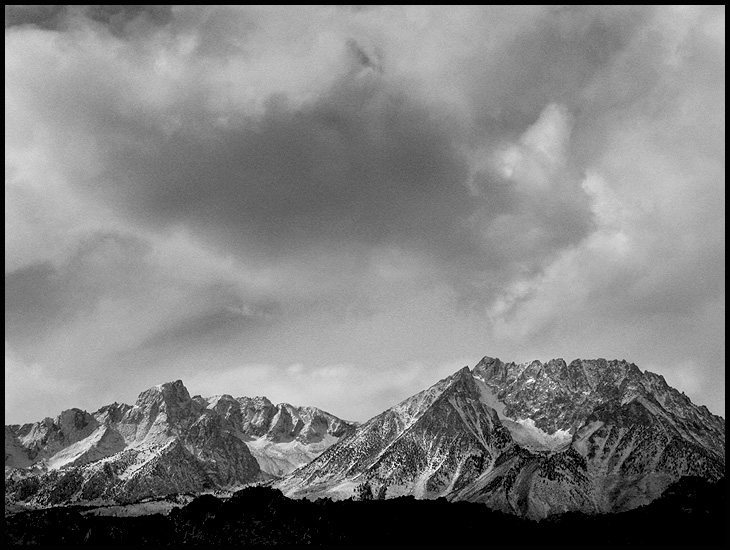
{"x": 166, "y": 443}
{"x": 281, "y": 437}
{"x": 532, "y": 439}
{"x": 433, "y": 443}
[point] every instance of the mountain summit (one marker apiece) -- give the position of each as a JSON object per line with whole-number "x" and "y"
{"x": 531, "y": 438}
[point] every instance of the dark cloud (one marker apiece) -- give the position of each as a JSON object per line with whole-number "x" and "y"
{"x": 42, "y": 296}
{"x": 362, "y": 163}
{"x": 121, "y": 273}
{"x": 47, "y": 17}
{"x": 118, "y": 19}
{"x": 357, "y": 165}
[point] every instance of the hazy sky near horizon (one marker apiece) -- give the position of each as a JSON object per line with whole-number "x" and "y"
{"x": 338, "y": 206}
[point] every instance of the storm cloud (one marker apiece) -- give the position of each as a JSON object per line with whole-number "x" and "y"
{"x": 337, "y": 206}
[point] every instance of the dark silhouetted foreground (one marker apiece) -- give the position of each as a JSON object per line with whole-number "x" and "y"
{"x": 691, "y": 513}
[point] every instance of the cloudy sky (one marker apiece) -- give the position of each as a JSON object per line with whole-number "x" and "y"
{"x": 339, "y": 206}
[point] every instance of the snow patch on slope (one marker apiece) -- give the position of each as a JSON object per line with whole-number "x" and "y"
{"x": 523, "y": 430}
{"x": 489, "y": 397}
{"x": 101, "y": 443}
{"x": 525, "y": 433}
{"x": 282, "y": 458}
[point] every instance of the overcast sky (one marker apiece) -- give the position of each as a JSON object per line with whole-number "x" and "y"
{"x": 339, "y": 206}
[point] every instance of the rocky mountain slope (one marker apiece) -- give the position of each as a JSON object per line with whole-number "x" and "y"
{"x": 532, "y": 439}
{"x": 166, "y": 443}
{"x": 281, "y": 437}
{"x": 435, "y": 442}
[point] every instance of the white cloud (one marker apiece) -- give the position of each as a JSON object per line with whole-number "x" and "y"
{"x": 33, "y": 391}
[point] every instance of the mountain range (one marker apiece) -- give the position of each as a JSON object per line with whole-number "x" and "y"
{"x": 532, "y": 439}
{"x": 167, "y": 442}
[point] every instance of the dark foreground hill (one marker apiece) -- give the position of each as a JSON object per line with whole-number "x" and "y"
{"x": 692, "y": 512}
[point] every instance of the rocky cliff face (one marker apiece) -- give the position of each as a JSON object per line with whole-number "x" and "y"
{"x": 281, "y": 437}
{"x": 556, "y": 396}
{"x": 166, "y": 443}
{"x": 532, "y": 439}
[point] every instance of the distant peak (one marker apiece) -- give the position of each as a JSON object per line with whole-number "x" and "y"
{"x": 655, "y": 376}
{"x": 220, "y": 401}
{"x": 257, "y": 401}
{"x": 489, "y": 367}
{"x": 486, "y": 360}
{"x": 460, "y": 374}
{"x": 176, "y": 384}
{"x": 73, "y": 411}
{"x": 74, "y": 419}
{"x": 173, "y": 392}
{"x": 221, "y": 397}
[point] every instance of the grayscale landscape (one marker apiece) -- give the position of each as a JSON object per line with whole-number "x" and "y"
{"x": 365, "y": 275}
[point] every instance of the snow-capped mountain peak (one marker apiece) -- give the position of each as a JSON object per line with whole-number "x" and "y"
{"x": 165, "y": 442}
{"x": 529, "y": 438}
